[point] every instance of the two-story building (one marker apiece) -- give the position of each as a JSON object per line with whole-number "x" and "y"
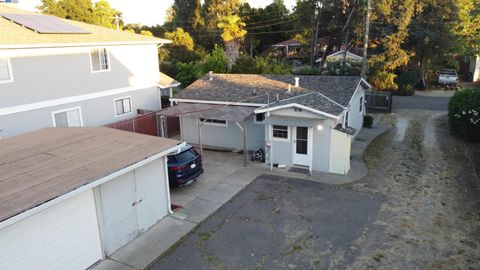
{"x": 61, "y": 73}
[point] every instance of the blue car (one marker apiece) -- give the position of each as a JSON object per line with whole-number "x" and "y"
{"x": 185, "y": 167}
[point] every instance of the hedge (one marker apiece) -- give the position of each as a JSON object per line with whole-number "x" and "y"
{"x": 464, "y": 114}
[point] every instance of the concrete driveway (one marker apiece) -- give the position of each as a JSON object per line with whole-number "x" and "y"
{"x": 277, "y": 223}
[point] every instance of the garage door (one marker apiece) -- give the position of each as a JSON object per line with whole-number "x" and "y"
{"x": 64, "y": 236}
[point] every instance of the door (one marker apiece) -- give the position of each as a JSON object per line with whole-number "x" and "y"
{"x": 64, "y": 236}
{"x": 301, "y": 141}
{"x": 118, "y": 201}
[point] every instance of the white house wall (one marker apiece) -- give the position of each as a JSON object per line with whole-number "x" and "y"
{"x": 95, "y": 112}
{"x": 230, "y": 136}
{"x": 475, "y": 68}
{"x": 355, "y": 117}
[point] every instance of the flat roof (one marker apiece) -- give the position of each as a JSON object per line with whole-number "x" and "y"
{"x": 13, "y": 35}
{"x": 42, "y": 165}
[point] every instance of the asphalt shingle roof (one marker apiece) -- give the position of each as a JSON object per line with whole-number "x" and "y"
{"x": 313, "y": 100}
{"x": 253, "y": 88}
{"x": 13, "y": 35}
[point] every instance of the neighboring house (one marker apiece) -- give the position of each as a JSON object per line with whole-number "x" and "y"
{"x": 306, "y": 121}
{"x": 69, "y": 73}
{"x": 293, "y": 48}
{"x": 72, "y": 196}
{"x": 167, "y": 84}
{"x": 338, "y": 56}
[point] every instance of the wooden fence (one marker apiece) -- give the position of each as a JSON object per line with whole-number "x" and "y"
{"x": 149, "y": 124}
{"x": 378, "y": 101}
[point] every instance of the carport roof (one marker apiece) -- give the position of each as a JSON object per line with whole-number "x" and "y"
{"x": 40, "y": 166}
{"x": 210, "y": 111}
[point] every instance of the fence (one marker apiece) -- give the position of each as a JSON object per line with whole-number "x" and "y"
{"x": 149, "y": 124}
{"x": 378, "y": 101}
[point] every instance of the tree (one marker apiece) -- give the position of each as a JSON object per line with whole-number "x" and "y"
{"x": 182, "y": 47}
{"x": 216, "y": 61}
{"x": 187, "y": 14}
{"x": 233, "y": 34}
{"x": 180, "y": 38}
{"x": 104, "y": 14}
{"x": 51, "y": 7}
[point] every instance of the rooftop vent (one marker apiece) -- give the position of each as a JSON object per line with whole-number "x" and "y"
{"x": 254, "y": 92}
{"x": 289, "y": 88}
{"x": 297, "y": 81}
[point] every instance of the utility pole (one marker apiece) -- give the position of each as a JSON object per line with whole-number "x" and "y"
{"x": 365, "y": 39}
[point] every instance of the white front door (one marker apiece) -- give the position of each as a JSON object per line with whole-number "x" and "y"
{"x": 301, "y": 141}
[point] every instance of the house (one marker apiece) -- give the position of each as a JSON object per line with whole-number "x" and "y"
{"x": 306, "y": 121}
{"x": 69, "y": 73}
{"x": 338, "y": 56}
{"x": 71, "y": 196}
{"x": 293, "y": 48}
{"x": 475, "y": 68}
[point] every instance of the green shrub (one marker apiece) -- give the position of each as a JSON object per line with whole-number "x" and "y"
{"x": 367, "y": 121}
{"x": 405, "y": 90}
{"x": 464, "y": 114}
{"x": 408, "y": 77}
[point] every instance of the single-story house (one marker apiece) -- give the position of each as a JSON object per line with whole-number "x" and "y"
{"x": 306, "y": 121}
{"x": 71, "y": 196}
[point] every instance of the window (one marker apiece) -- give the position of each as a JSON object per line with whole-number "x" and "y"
{"x": 361, "y": 104}
{"x": 100, "y": 60}
{"x": 259, "y": 117}
{"x": 280, "y": 132}
{"x": 214, "y": 122}
{"x": 5, "y": 70}
{"x": 123, "y": 106}
{"x": 68, "y": 118}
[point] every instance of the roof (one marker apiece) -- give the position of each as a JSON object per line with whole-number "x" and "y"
{"x": 347, "y": 130}
{"x": 253, "y": 88}
{"x": 166, "y": 81}
{"x": 290, "y": 42}
{"x": 13, "y": 35}
{"x": 210, "y": 111}
{"x": 350, "y": 56}
{"x": 313, "y": 100}
{"x": 42, "y": 165}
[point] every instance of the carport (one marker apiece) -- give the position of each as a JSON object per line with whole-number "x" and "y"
{"x": 237, "y": 114}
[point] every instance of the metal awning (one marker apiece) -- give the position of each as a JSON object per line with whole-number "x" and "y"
{"x": 210, "y": 111}
{"x": 291, "y": 121}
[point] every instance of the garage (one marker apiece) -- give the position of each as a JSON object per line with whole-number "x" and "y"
{"x": 70, "y": 196}
{"x": 64, "y": 236}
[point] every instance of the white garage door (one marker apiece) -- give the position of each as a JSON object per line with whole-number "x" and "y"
{"x": 64, "y": 236}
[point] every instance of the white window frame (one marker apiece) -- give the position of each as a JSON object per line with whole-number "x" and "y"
{"x": 66, "y": 110}
{"x": 10, "y": 72}
{"x": 213, "y": 124}
{"x": 259, "y": 122}
{"x": 115, "y": 106}
{"x": 289, "y": 131}
{"x": 108, "y": 59}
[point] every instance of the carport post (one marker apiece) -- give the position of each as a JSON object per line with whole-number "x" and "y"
{"x": 199, "y": 125}
{"x": 245, "y": 151}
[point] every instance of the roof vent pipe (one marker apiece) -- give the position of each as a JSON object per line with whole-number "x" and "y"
{"x": 297, "y": 81}
{"x": 210, "y": 73}
{"x": 278, "y": 97}
{"x": 254, "y": 92}
{"x": 289, "y": 88}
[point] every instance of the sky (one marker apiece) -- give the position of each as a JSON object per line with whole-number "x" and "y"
{"x": 146, "y": 12}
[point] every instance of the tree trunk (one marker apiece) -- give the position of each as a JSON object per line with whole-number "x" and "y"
{"x": 232, "y": 51}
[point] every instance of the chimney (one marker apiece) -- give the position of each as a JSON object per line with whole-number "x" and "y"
{"x": 210, "y": 73}
{"x": 297, "y": 81}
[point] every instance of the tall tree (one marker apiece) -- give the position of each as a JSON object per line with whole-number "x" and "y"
{"x": 233, "y": 35}
{"x": 187, "y": 14}
{"x": 104, "y": 14}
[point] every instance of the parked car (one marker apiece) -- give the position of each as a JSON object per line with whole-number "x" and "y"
{"x": 448, "y": 77}
{"x": 185, "y": 167}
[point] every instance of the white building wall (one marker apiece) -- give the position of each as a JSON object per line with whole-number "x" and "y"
{"x": 355, "y": 115}
{"x": 475, "y": 68}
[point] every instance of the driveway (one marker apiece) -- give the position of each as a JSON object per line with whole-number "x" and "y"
{"x": 433, "y": 101}
{"x": 418, "y": 208}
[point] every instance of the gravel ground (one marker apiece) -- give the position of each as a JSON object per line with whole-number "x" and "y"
{"x": 419, "y": 208}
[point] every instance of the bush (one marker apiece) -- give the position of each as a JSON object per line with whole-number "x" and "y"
{"x": 405, "y": 90}
{"x": 408, "y": 77}
{"x": 367, "y": 121}
{"x": 464, "y": 114}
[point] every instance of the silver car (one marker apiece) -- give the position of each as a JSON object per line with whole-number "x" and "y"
{"x": 448, "y": 77}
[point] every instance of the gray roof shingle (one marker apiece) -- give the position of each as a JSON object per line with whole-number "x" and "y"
{"x": 253, "y": 88}
{"x": 312, "y": 100}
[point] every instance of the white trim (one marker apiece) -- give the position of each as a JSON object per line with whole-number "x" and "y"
{"x": 268, "y": 109}
{"x": 9, "y": 67}
{"x": 91, "y": 185}
{"x": 100, "y": 60}
{"x": 82, "y": 44}
{"x": 169, "y": 86}
{"x": 289, "y": 131}
{"x": 115, "y": 106}
{"x": 67, "y": 110}
{"x": 218, "y": 102}
{"x": 62, "y": 101}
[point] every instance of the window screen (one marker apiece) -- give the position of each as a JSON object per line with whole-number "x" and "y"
{"x": 100, "y": 60}
{"x": 123, "y": 106}
{"x": 280, "y": 132}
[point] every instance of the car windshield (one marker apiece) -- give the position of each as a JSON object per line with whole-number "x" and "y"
{"x": 448, "y": 72}
{"x": 184, "y": 156}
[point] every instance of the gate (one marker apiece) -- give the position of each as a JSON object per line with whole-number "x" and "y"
{"x": 378, "y": 101}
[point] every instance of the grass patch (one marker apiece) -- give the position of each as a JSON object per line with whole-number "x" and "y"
{"x": 204, "y": 236}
